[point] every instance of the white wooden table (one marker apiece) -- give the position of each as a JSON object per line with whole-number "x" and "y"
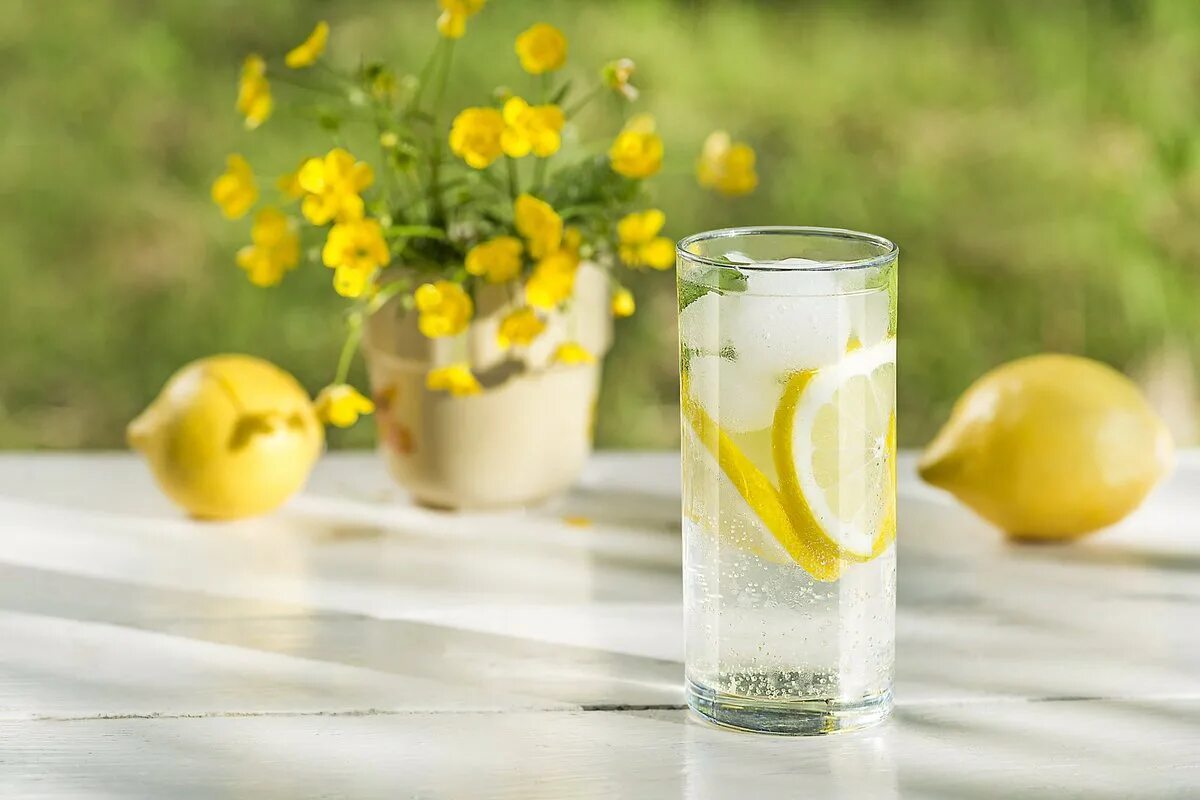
{"x": 353, "y": 646}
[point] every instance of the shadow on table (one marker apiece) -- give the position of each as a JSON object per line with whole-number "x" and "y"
{"x": 625, "y": 508}
{"x": 1123, "y": 555}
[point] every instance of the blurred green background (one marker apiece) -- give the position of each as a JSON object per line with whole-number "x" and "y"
{"x": 1039, "y": 164}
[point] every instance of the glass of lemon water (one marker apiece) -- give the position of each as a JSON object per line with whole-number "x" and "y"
{"x": 788, "y": 385}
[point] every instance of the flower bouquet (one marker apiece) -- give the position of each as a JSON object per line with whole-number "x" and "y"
{"x": 480, "y": 251}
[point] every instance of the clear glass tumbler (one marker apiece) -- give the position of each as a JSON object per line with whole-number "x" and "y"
{"x": 787, "y": 365}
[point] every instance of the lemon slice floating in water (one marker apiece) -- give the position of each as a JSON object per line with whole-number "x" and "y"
{"x": 834, "y": 445}
{"x": 811, "y": 552}
{"x": 713, "y": 503}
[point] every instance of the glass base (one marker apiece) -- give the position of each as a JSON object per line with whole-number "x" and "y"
{"x": 787, "y": 718}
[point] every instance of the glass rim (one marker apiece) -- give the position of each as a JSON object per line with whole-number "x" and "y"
{"x": 891, "y": 251}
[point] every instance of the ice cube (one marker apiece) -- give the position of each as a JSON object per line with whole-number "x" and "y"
{"x": 787, "y": 321}
{"x": 700, "y": 326}
{"x": 738, "y": 396}
{"x": 793, "y": 276}
{"x": 869, "y": 316}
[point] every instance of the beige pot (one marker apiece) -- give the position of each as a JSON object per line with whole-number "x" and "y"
{"x": 524, "y": 438}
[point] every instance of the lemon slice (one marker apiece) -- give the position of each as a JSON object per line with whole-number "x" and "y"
{"x": 714, "y": 504}
{"x": 813, "y": 553}
{"x": 834, "y": 450}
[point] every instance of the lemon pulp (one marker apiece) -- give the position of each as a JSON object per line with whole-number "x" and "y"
{"x": 834, "y": 448}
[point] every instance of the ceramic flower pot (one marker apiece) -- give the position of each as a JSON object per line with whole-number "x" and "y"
{"x": 524, "y": 438}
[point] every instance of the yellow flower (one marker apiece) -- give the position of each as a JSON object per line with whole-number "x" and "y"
{"x": 235, "y": 190}
{"x": 498, "y": 259}
{"x": 332, "y": 185}
{"x": 531, "y": 128}
{"x": 350, "y": 282}
{"x": 275, "y": 248}
{"x": 444, "y": 307}
{"x": 623, "y": 304}
{"x": 637, "y": 151}
{"x": 520, "y": 328}
{"x": 455, "y": 379}
{"x": 341, "y": 404}
{"x": 641, "y": 246}
{"x": 727, "y": 166}
{"x": 354, "y": 249}
{"x": 542, "y": 48}
{"x": 307, "y": 52}
{"x": 616, "y": 76}
{"x": 254, "y": 92}
{"x": 552, "y": 280}
{"x": 572, "y": 353}
{"x": 659, "y": 253}
{"x": 452, "y": 24}
{"x": 475, "y": 136}
{"x": 356, "y": 244}
{"x": 541, "y": 226}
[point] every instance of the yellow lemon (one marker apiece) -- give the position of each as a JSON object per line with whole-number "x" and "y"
{"x": 229, "y": 436}
{"x": 1050, "y": 447}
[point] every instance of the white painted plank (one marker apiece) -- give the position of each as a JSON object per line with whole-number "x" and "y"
{"x": 1089, "y": 749}
{"x": 349, "y": 575}
{"x": 57, "y": 668}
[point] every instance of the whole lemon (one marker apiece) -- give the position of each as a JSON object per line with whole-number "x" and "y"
{"x": 1050, "y": 447}
{"x": 229, "y": 436}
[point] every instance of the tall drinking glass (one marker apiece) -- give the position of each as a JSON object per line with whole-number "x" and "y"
{"x": 787, "y": 365}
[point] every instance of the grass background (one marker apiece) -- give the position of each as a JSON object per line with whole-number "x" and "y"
{"x": 1039, "y": 163}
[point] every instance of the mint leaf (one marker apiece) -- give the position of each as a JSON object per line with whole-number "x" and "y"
{"x": 723, "y": 280}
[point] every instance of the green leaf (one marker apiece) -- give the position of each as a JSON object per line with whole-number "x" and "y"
{"x": 723, "y": 280}
{"x": 731, "y": 280}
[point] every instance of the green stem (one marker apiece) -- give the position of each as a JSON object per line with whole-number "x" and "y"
{"x": 571, "y": 211}
{"x": 437, "y": 201}
{"x": 513, "y": 190}
{"x": 387, "y": 293}
{"x": 443, "y": 79}
{"x": 583, "y": 101}
{"x": 417, "y": 193}
{"x": 415, "y": 232}
{"x": 423, "y": 78}
{"x": 285, "y": 79}
{"x": 391, "y": 186}
{"x": 341, "y": 78}
{"x": 349, "y": 347}
{"x": 318, "y": 113}
{"x": 491, "y": 180}
{"x": 539, "y": 175}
